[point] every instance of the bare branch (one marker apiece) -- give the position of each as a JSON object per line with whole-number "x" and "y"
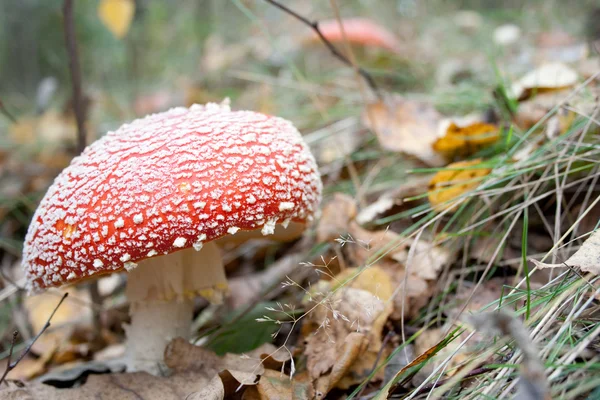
{"x": 74, "y": 67}
{"x": 314, "y": 25}
{"x": 11, "y": 365}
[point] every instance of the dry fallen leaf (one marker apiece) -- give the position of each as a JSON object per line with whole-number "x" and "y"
{"x": 467, "y": 139}
{"x": 197, "y": 374}
{"x": 534, "y": 109}
{"x": 394, "y": 198}
{"x": 427, "y": 259}
{"x": 407, "y": 126}
{"x": 74, "y": 312}
{"x": 274, "y": 385}
{"x": 587, "y": 257}
{"x": 134, "y": 386}
{"x": 29, "y": 368}
{"x": 343, "y": 335}
{"x": 335, "y": 217}
{"x": 548, "y": 77}
{"x": 456, "y": 179}
{"x": 393, "y": 249}
{"x": 117, "y": 15}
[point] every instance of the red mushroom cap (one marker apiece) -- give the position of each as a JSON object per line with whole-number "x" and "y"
{"x": 168, "y": 182}
{"x": 361, "y": 31}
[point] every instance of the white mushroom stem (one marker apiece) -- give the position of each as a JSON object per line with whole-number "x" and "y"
{"x": 161, "y": 292}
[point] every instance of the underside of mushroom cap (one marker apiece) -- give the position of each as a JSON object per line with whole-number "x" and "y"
{"x": 165, "y": 183}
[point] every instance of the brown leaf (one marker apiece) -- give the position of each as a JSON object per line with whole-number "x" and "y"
{"x": 427, "y": 259}
{"x": 197, "y": 374}
{"x": 75, "y": 311}
{"x": 273, "y": 385}
{"x": 180, "y": 355}
{"x": 214, "y": 390}
{"x": 134, "y": 386}
{"x": 29, "y": 368}
{"x": 407, "y": 126}
{"x": 351, "y": 350}
{"x": 51, "y": 129}
{"x": 534, "y": 109}
{"x": 344, "y": 330}
{"x": 394, "y": 251}
{"x": 393, "y": 199}
{"x": 335, "y": 217}
{"x": 585, "y": 258}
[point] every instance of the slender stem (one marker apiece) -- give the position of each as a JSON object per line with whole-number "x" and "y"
{"x": 74, "y": 67}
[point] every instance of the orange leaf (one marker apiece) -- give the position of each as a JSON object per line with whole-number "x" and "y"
{"x": 450, "y": 183}
{"x": 466, "y": 140}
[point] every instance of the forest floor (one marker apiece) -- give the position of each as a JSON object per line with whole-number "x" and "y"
{"x": 453, "y": 255}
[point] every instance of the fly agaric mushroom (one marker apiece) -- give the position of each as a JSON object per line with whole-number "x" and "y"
{"x": 360, "y": 31}
{"x": 152, "y": 198}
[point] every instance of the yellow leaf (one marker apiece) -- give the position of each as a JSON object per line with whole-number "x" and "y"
{"x": 466, "y": 140}
{"x": 117, "y": 15}
{"x": 450, "y": 183}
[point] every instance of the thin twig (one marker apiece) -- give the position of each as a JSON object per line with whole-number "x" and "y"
{"x": 74, "y": 67}
{"x": 10, "y": 353}
{"x": 11, "y": 365}
{"x": 80, "y": 116}
{"x": 314, "y": 25}
{"x": 7, "y": 113}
